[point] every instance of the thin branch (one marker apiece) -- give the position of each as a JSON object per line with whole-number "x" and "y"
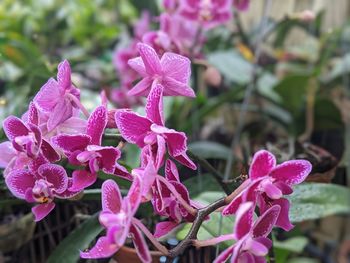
{"x": 205, "y": 164}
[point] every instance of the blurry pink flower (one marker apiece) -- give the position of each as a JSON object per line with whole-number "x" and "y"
{"x": 42, "y": 187}
{"x": 172, "y": 71}
{"x": 170, "y": 5}
{"x": 11, "y": 159}
{"x": 150, "y": 130}
{"x": 268, "y": 182}
{"x": 252, "y": 244}
{"x": 159, "y": 41}
{"x": 117, "y": 217}
{"x": 142, "y": 26}
{"x": 86, "y": 150}
{"x": 121, "y": 98}
{"x": 58, "y": 98}
{"x": 241, "y": 5}
{"x": 209, "y": 13}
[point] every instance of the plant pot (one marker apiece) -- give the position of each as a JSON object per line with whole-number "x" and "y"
{"x": 128, "y": 254}
{"x": 16, "y": 233}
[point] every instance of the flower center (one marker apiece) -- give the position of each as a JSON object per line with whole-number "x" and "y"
{"x": 43, "y": 191}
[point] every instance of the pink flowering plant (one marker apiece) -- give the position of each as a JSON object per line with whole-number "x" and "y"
{"x": 58, "y": 149}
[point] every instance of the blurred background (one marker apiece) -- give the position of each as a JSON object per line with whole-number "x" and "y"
{"x": 294, "y": 64}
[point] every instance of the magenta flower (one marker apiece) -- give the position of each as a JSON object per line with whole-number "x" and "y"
{"x": 171, "y": 71}
{"x": 166, "y": 204}
{"x": 252, "y": 244}
{"x": 268, "y": 182}
{"x": 209, "y": 13}
{"x": 27, "y": 137}
{"x": 117, "y": 217}
{"x": 86, "y": 150}
{"x": 241, "y": 5}
{"x": 58, "y": 98}
{"x": 150, "y": 130}
{"x": 142, "y": 26}
{"x": 41, "y": 187}
{"x": 11, "y": 159}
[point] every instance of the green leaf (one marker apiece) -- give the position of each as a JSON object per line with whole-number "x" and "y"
{"x": 292, "y": 90}
{"x": 78, "y": 240}
{"x": 232, "y": 66}
{"x": 327, "y": 115}
{"x": 208, "y": 149}
{"x": 202, "y": 182}
{"x": 315, "y": 200}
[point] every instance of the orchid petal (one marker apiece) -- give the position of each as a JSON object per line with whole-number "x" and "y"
{"x": 266, "y": 221}
{"x": 263, "y": 162}
{"x": 48, "y": 96}
{"x": 171, "y": 172}
{"x": 96, "y": 125}
{"x": 150, "y": 59}
{"x": 140, "y": 244}
{"x": 14, "y": 127}
{"x": 292, "y": 172}
{"x": 56, "y": 175}
{"x": 132, "y": 126}
{"x": 49, "y": 152}
{"x": 18, "y": 181}
{"x": 137, "y": 65}
{"x": 71, "y": 143}
{"x": 111, "y": 196}
{"x": 283, "y": 217}
{"x": 176, "y": 66}
{"x": 134, "y": 194}
{"x": 42, "y": 210}
{"x": 33, "y": 115}
{"x": 154, "y": 106}
{"x": 64, "y": 74}
{"x": 7, "y": 153}
{"x": 176, "y": 88}
{"x": 102, "y": 249}
{"x": 62, "y": 111}
{"x": 164, "y": 228}
{"x": 141, "y": 88}
{"x": 244, "y": 220}
{"x": 81, "y": 180}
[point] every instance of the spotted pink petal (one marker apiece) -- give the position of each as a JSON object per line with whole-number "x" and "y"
{"x": 42, "y": 210}
{"x": 154, "y": 106}
{"x": 82, "y": 179}
{"x": 122, "y": 172}
{"x": 133, "y": 127}
{"x": 161, "y": 150}
{"x": 96, "y": 125}
{"x": 150, "y": 59}
{"x": 232, "y": 207}
{"x": 33, "y": 115}
{"x": 49, "y": 152}
{"x": 138, "y": 65}
{"x": 71, "y": 143}
{"x": 256, "y": 248}
{"x": 18, "y": 181}
{"x": 246, "y": 257}
{"x": 111, "y": 197}
{"x": 171, "y": 172}
{"x": 292, "y": 172}
{"x": 176, "y": 66}
{"x": 244, "y": 220}
{"x": 140, "y": 244}
{"x": 109, "y": 157}
{"x": 48, "y": 96}
{"x": 102, "y": 249}
{"x": 141, "y": 88}
{"x": 56, "y": 175}
{"x": 185, "y": 160}
{"x": 263, "y": 162}
{"x": 68, "y": 194}
{"x": 283, "y": 217}
{"x": 224, "y": 256}
{"x": 164, "y": 228}
{"x": 7, "y": 153}
{"x": 14, "y": 127}
{"x": 64, "y": 74}
{"x": 263, "y": 226}
{"x": 62, "y": 111}
{"x": 176, "y": 88}
{"x": 135, "y": 193}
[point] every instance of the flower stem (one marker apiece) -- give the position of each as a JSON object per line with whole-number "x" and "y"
{"x": 212, "y": 241}
{"x": 150, "y": 236}
{"x": 179, "y": 198}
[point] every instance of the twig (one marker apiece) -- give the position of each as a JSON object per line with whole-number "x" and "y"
{"x": 217, "y": 176}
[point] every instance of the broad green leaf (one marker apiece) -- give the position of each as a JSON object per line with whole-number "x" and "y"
{"x": 315, "y": 200}
{"x": 210, "y": 150}
{"x": 232, "y": 66}
{"x": 292, "y": 90}
{"x": 79, "y": 239}
{"x": 327, "y": 115}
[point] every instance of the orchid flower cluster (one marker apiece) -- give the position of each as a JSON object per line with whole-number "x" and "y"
{"x": 57, "y": 129}
{"x": 181, "y": 29}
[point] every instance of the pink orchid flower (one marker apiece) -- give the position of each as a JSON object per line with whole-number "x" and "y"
{"x": 150, "y": 130}
{"x": 11, "y": 159}
{"x": 241, "y": 5}
{"x": 117, "y": 217}
{"x": 252, "y": 244}
{"x": 168, "y": 205}
{"x": 170, "y": 5}
{"x": 209, "y": 13}
{"x": 142, "y": 26}
{"x": 50, "y": 181}
{"x": 59, "y": 99}
{"x": 171, "y": 71}
{"x": 121, "y": 98}
{"x": 86, "y": 150}
{"x": 268, "y": 182}
{"x": 27, "y": 137}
